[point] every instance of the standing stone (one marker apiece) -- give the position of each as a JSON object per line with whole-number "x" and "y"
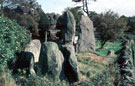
{"x": 66, "y": 23}
{"x": 34, "y": 47}
{"x": 51, "y": 60}
{"x": 71, "y": 69}
{"x": 86, "y": 39}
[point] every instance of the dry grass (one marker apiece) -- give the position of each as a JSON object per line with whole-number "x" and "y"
{"x": 98, "y": 64}
{"x": 95, "y": 58}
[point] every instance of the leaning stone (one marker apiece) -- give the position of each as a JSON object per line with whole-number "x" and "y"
{"x": 71, "y": 69}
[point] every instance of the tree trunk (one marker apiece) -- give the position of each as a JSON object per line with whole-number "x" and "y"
{"x": 45, "y": 36}
{"x": 85, "y": 7}
{"x": 2, "y": 7}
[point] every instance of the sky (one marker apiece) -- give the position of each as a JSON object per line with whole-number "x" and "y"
{"x": 122, "y": 7}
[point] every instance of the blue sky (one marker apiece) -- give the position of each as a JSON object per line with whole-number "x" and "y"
{"x": 123, "y": 7}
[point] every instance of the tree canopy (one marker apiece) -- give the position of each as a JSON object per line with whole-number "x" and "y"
{"x": 12, "y": 38}
{"x": 110, "y": 26}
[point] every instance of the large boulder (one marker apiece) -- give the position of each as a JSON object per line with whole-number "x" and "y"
{"x": 51, "y": 60}
{"x": 86, "y": 37}
{"x": 71, "y": 70}
{"x": 34, "y": 47}
{"x": 25, "y": 60}
{"x": 66, "y": 23}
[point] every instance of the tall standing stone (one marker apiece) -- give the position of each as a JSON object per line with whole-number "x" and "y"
{"x": 86, "y": 38}
{"x": 66, "y": 23}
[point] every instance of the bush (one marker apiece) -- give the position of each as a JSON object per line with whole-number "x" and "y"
{"x": 110, "y": 27}
{"x": 38, "y": 81}
{"x": 12, "y": 38}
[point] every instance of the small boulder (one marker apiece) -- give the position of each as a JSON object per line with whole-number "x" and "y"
{"x": 25, "y": 60}
{"x": 111, "y": 53}
{"x": 51, "y": 60}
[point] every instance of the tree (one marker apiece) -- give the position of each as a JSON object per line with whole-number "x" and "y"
{"x": 12, "y": 38}
{"x": 2, "y": 5}
{"x": 85, "y": 5}
{"x": 44, "y": 24}
{"x": 25, "y": 12}
{"x": 131, "y": 23}
{"x": 110, "y": 26}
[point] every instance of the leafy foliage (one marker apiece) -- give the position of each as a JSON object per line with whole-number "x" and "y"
{"x": 44, "y": 21}
{"x": 25, "y": 12}
{"x": 110, "y": 26}
{"x": 12, "y": 38}
{"x": 131, "y": 23}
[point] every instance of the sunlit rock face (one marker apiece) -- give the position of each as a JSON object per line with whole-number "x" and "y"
{"x": 34, "y": 47}
{"x": 86, "y": 37}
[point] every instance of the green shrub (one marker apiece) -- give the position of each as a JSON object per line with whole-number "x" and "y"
{"x": 110, "y": 26}
{"x": 38, "y": 81}
{"x": 12, "y": 38}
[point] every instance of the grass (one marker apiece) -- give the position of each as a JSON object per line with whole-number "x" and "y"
{"x": 99, "y": 69}
{"x": 95, "y": 70}
{"x": 115, "y": 46}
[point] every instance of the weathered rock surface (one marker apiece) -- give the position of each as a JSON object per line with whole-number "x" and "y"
{"x": 126, "y": 62}
{"x": 34, "y": 47}
{"x": 71, "y": 69}
{"x": 86, "y": 39}
{"x": 51, "y": 60}
{"x": 66, "y": 23}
